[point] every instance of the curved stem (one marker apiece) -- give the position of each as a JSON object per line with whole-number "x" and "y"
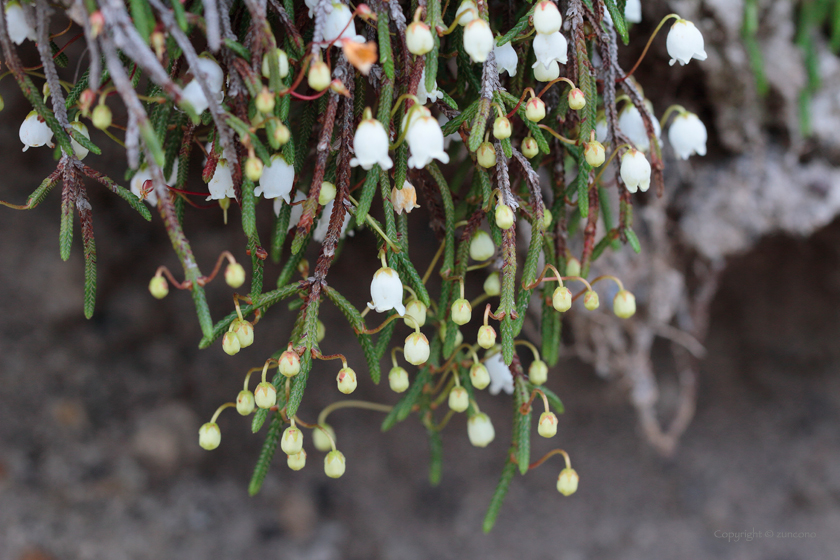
{"x": 521, "y": 99}
{"x": 579, "y": 279}
{"x": 399, "y": 101}
{"x": 394, "y": 351}
{"x": 529, "y": 346}
{"x": 644, "y": 52}
{"x": 557, "y": 135}
{"x": 414, "y": 108}
{"x": 609, "y": 277}
{"x": 551, "y": 454}
{"x": 432, "y": 264}
{"x": 219, "y": 411}
{"x": 682, "y": 110}
{"x": 365, "y": 405}
{"x": 443, "y": 32}
{"x": 554, "y": 81}
{"x": 607, "y": 163}
{"x": 327, "y": 357}
{"x": 479, "y": 300}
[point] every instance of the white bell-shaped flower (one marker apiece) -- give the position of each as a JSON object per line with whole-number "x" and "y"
{"x": 480, "y": 430}
{"x": 427, "y": 96}
{"x": 386, "y": 291}
{"x": 419, "y": 39}
{"x": 34, "y": 132}
{"x": 478, "y": 40}
{"x": 547, "y": 73}
{"x": 466, "y": 6}
{"x": 550, "y": 48}
{"x": 635, "y": 171}
{"x": 688, "y": 135}
{"x": 371, "y": 146}
{"x": 277, "y": 179}
{"x": 633, "y": 11}
{"x": 685, "y": 42}
{"x": 414, "y": 114}
{"x": 339, "y": 26}
{"x": 18, "y": 24}
{"x": 500, "y": 377}
{"x": 214, "y": 77}
{"x": 506, "y": 58}
{"x": 81, "y": 151}
{"x": 631, "y": 123}
{"x": 312, "y": 5}
{"x": 297, "y": 209}
{"x": 323, "y": 225}
{"x": 221, "y": 185}
{"x": 425, "y": 140}
{"x": 601, "y": 129}
{"x": 547, "y": 18}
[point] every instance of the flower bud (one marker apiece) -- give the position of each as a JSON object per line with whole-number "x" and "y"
{"x": 297, "y": 461}
{"x": 459, "y": 399}
{"x": 547, "y": 426}
{"x": 480, "y": 430}
{"x": 572, "y": 267}
{"x": 282, "y": 62}
{"x": 320, "y": 331}
{"x": 478, "y": 40}
{"x": 538, "y": 372}
{"x": 479, "y": 376}
{"x": 289, "y": 363}
{"x": 415, "y": 309}
{"x": 486, "y": 155}
{"x": 97, "y": 23}
{"x": 492, "y": 284}
{"x": 567, "y": 482}
{"x": 253, "y": 170}
{"x": 577, "y": 100}
{"x": 86, "y": 99}
{"x": 398, "y": 379}
{"x": 501, "y": 128}
{"x": 265, "y": 395}
{"x": 535, "y": 109}
{"x": 244, "y": 331}
{"x": 547, "y": 218}
{"x": 590, "y": 300}
{"x": 327, "y": 193}
{"x": 547, "y": 18}
{"x": 101, "y": 117}
{"x": 158, "y": 287}
{"x": 234, "y": 275}
{"x": 561, "y": 299}
{"x": 292, "y": 441}
{"x": 230, "y": 344}
{"x": 209, "y": 436}
{"x": 418, "y": 38}
{"x": 481, "y": 246}
{"x": 594, "y": 153}
{"x": 320, "y": 439}
{"x": 486, "y": 336}
{"x": 334, "y": 464}
{"x": 245, "y": 402}
{"x": 265, "y": 101}
{"x": 466, "y": 6}
{"x": 319, "y": 76}
{"x": 530, "y": 148}
{"x": 624, "y": 304}
{"x": 281, "y": 134}
{"x": 346, "y": 379}
{"x": 416, "y": 349}
{"x": 461, "y": 311}
{"x": 504, "y": 216}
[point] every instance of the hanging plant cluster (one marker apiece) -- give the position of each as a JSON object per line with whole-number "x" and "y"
{"x": 333, "y": 118}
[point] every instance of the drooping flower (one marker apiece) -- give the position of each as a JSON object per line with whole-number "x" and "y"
{"x": 425, "y": 140}
{"x": 688, "y": 135}
{"x": 480, "y": 430}
{"x": 478, "y": 40}
{"x": 404, "y": 199}
{"x": 416, "y": 349}
{"x": 339, "y": 25}
{"x": 323, "y": 225}
{"x": 547, "y": 73}
{"x": 500, "y": 376}
{"x": 630, "y": 122}
{"x": 277, "y": 179}
{"x": 466, "y": 6}
{"x": 371, "y": 146}
{"x": 221, "y": 185}
{"x": 550, "y": 48}
{"x": 419, "y": 39}
{"x": 633, "y": 11}
{"x": 34, "y": 132}
{"x": 506, "y": 58}
{"x": 386, "y": 291}
{"x": 18, "y": 24}
{"x": 547, "y": 18}
{"x": 685, "y": 42}
{"x": 427, "y": 96}
{"x": 635, "y": 171}
{"x": 214, "y": 77}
